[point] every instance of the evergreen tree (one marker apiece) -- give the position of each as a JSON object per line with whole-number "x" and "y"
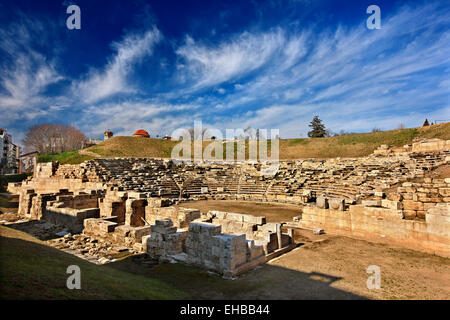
{"x": 317, "y": 128}
{"x": 426, "y": 123}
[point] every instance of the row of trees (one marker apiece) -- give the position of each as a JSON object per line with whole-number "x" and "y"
{"x": 53, "y": 138}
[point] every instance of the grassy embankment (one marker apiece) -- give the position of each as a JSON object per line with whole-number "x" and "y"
{"x": 350, "y": 145}
{"x": 68, "y": 157}
{"x": 29, "y": 269}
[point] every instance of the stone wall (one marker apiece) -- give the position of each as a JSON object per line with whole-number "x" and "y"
{"x": 416, "y": 198}
{"x": 430, "y": 145}
{"x": 226, "y": 254}
{"x": 164, "y": 240}
{"x": 386, "y": 225}
{"x": 109, "y": 229}
{"x": 267, "y": 235}
{"x": 71, "y": 218}
{"x": 299, "y": 181}
{"x": 381, "y": 197}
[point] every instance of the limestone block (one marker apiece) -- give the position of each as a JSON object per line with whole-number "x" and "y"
{"x": 372, "y": 203}
{"x": 123, "y": 230}
{"x": 421, "y": 214}
{"x": 407, "y": 184}
{"x": 337, "y": 204}
{"x": 412, "y": 205}
{"x": 165, "y": 222}
{"x": 253, "y": 219}
{"x": 162, "y": 229}
{"x": 322, "y": 202}
{"x": 394, "y": 196}
{"x": 445, "y": 192}
{"x": 396, "y": 205}
{"x": 235, "y": 216}
{"x": 409, "y": 214}
{"x": 204, "y": 228}
{"x": 407, "y": 196}
{"x": 140, "y": 232}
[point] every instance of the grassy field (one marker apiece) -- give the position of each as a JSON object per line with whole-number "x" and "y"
{"x": 29, "y": 269}
{"x": 350, "y": 145}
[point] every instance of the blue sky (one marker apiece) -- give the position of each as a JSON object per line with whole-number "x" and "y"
{"x": 160, "y": 65}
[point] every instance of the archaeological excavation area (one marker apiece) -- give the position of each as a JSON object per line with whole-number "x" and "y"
{"x": 397, "y": 197}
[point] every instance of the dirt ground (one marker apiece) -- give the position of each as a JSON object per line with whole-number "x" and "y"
{"x": 273, "y": 212}
{"x": 343, "y": 262}
{"x": 321, "y": 267}
{"x": 324, "y": 267}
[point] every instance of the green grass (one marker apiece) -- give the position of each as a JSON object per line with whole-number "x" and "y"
{"x": 396, "y": 138}
{"x": 134, "y": 147}
{"x": 349, "y": 145}
{"x": 31, "y": 270}
{"x": 68, "y": 157}
{"x": 302, "y": 141}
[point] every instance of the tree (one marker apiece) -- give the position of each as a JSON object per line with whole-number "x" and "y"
{"x": 196, "y": 134}
{"x": 317, "y": 128}
{"x": 250, "y": 133}
{"x": 52, "y": 138}
{"x": 425, "y": 124}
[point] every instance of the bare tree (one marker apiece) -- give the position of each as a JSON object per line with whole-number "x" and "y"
{"x": 52, "y": 138}
{"x": 196, "y": 134}
{"x": 250, "y": 133}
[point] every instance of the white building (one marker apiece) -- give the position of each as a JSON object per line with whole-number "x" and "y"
{"x": 9, "y": 154}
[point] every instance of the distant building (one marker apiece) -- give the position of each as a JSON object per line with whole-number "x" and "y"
{"x": 9, "y": 154}
{"x": 108, "y": 134}
{"x": 92, "y": 142}
{"x": 27, "y": 162}
{"x": 141, "y": 133}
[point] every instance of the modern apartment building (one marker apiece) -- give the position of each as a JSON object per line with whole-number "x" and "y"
{"x": 9, "y": 154}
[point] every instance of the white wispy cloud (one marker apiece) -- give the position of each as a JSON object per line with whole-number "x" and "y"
{"x": 113, "y": 79}
{"x": 230, "y": 60}
{"x": 26, "y": 72}
{"x": 352, "y": 77}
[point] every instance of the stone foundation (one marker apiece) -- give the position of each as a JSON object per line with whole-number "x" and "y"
{"x": 386, "y": 225}
{"x": 226, "y": 254}
{"x": 387, "y": 196}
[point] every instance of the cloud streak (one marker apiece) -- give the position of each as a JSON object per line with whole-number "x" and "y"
{"x": 276, "y": 76}
{"x": 100, "y": 84}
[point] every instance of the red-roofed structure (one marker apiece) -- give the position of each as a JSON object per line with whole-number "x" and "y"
{"x": 141, "y": 133}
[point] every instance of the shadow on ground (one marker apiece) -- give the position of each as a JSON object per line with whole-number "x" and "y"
{"x": 29, "y": 269}
{"x": 37, "y": 228}
{"x": 264, "y": 282}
